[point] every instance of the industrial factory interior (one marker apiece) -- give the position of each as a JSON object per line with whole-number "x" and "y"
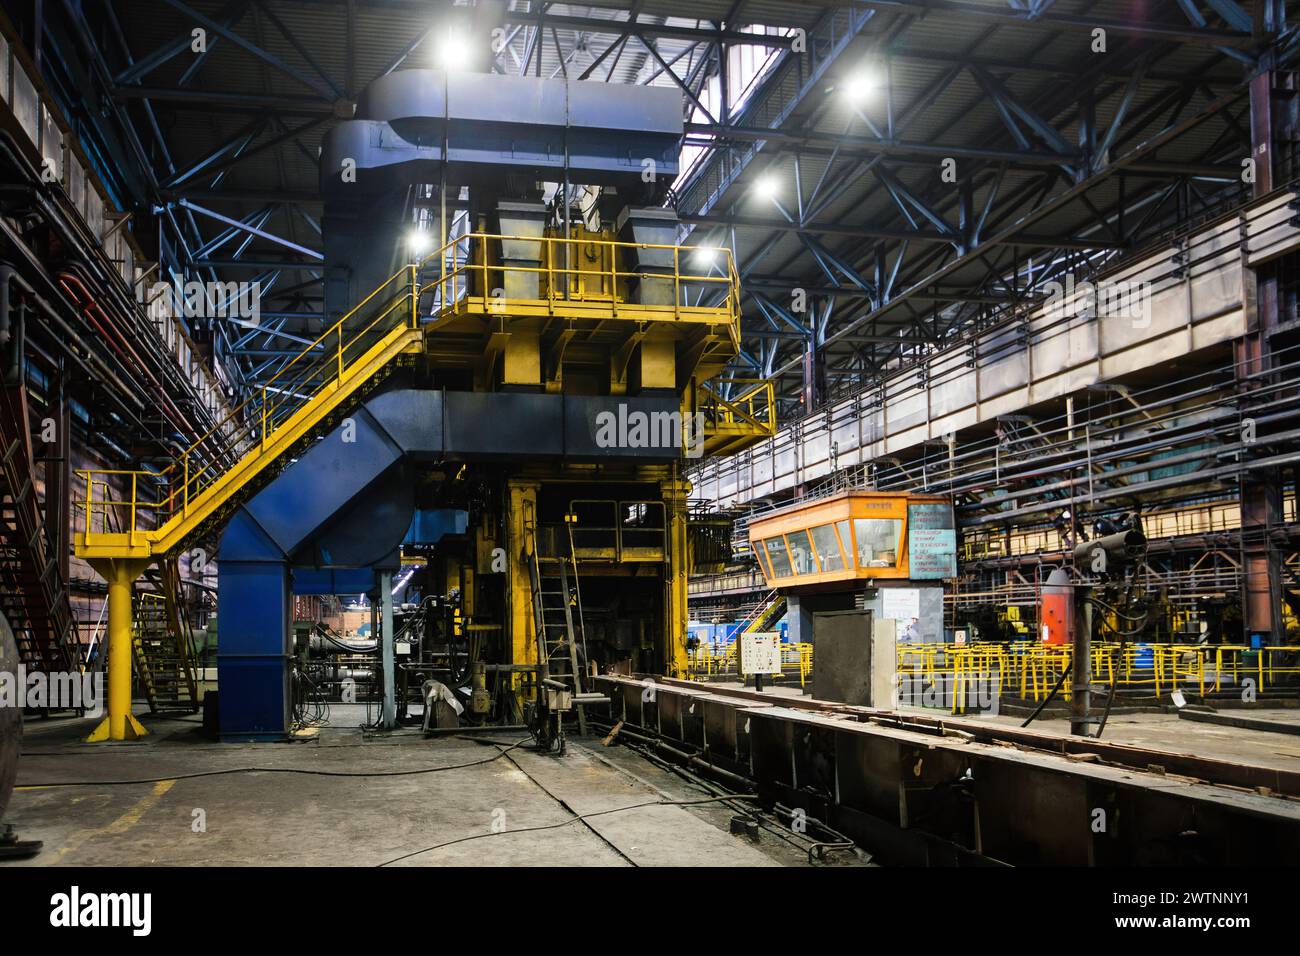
{"x": 822, "y": 436}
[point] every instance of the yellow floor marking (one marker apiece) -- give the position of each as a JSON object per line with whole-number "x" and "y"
{"x": 123, "y": 823}
{"x": 129, "y": 819}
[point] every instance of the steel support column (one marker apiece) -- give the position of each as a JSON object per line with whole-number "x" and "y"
{"x": 673, "y": 645}
{"x": 1081, "y": 665}
{"x": 119, "y": 723}
{"x": 520, "y": 545}
{"x": 389, "y": 715}
{"x": 1260, "y": 495}
{"x": 814, "y": 375}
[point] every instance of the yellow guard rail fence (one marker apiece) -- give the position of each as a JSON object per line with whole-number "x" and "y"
{"x": 1030, "y": 669}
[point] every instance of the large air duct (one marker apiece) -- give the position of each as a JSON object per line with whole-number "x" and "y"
{"x": 421, "y": 136}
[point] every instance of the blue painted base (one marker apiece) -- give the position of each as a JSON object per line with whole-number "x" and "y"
{"x": 253, "y": 648}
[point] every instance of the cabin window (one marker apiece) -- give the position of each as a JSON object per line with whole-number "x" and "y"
{"x": 828, "y": 548}
{"x": 801, "y": 555}
{"x": 877, "y": 541}
{"x": 776, "y": 554}
{"x": 846, "y": 540}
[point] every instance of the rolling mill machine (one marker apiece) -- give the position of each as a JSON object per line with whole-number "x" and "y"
{"x": 516, "y": 358}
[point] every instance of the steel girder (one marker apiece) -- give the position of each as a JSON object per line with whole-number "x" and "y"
{"x": 1034, "y": 142}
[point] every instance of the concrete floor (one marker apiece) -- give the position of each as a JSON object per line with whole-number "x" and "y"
{"x": 269, "y": 818}
{"x": 273, "y": 818}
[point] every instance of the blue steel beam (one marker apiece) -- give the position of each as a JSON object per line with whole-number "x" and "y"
{"x": 783, "y": 313}
{"x": 212, "y": 214}
{"x": 1020, "y": 239}
{"x": 1233, "y": 15}
{"x": 1148, "y": 29}
{"x": 179, "y": 44}
{"x": 253, "y": 219}
{"x": 240, "y": 138}
{"x": 828, "y": 259}
{"x": 271, "y": 59}
{"x": 681, "y": 84}
{"x": 910, "y": 115}
{"x": 1121, "y": 111}
{"x": 900, "y": 193}
{"x": 214, "y": 163}
{"x": 858, "y": 19}
{"x": 1007, "y": 99}
{"x": 298, "y": 46}
{"x": 1044, "y": 208}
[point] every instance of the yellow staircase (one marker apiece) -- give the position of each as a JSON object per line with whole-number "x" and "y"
{"x": 767, "y": 613}
{"x": 290, "y": 408}
{"x": 737, "y": 422}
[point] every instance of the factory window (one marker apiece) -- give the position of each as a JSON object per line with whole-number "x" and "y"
{"x": 776, "y": 555}
{"x": 828, "y": 548}
{"x": 801, "y": 555}
{"x": 877, "y": 540}
{"x": 748, "y": 66}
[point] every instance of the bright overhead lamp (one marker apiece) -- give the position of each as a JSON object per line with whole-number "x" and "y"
{"x": 859, "y": 85}
{"x": 706, "y": 255}
{"x": 453, "y": 51}
{"x": 418, "y": 242}
{"x": 767, "y": 187}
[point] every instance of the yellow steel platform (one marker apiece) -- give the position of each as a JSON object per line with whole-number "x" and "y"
{"x": 136, "y": 515}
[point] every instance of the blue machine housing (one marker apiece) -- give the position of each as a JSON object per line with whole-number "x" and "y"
{"x": 338, "y": 514}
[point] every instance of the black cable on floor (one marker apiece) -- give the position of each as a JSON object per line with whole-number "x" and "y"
{"x": 841, "y": 843}
{"x": 568, "y": 809}
{"x": 555, "y": 826}
{"x": 313, "y": 773}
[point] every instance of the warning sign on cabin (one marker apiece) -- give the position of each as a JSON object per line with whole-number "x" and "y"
{"x": 931, "y": 541}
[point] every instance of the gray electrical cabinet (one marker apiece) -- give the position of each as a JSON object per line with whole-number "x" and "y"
{"x": 853, "y": 658}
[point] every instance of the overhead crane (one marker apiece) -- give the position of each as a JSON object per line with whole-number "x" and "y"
{"x": 542, "y": 374}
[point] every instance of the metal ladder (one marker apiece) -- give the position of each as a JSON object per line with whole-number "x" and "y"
{"x": 553, "y": 610}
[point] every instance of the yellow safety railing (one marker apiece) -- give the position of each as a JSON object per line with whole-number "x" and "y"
{"x": 147, "y": 502}
{"x": 709, "y": 658}
{"x": 797, "y": 656}
{"x": 716, "y": 659}
{"x": 753, "y": 407}
{"x": 953, "y": 675}
{"x": 563, "y": 282}
{"x": 1031, "y": 669}
{"x": 322, "y": 367}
